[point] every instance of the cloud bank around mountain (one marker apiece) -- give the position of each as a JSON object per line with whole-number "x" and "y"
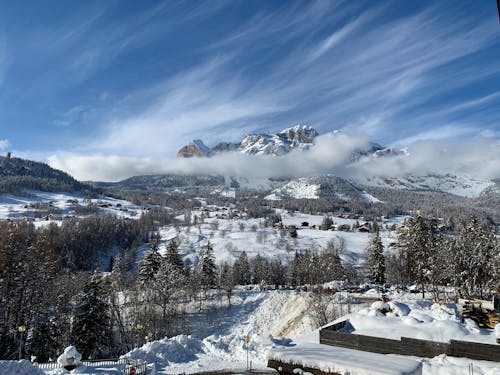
{"x": 332, "y": 154}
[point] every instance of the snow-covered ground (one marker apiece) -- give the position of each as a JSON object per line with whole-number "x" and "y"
{"x": 33, "y": 203}
{"x": 230, "y": 237}
{"x": 297, "y": 189}
{"x": 465, "y": 186}
{"x": 277, "y": 323}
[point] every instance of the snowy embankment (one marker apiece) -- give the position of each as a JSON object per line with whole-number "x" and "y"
{"x": 262, "y": 316}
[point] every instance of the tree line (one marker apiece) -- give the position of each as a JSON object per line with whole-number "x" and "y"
{"x": 42, "y": 270}
{"x": 468, "y": 259}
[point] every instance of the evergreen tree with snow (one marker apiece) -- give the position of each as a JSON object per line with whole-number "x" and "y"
{"x": 226, "y": 280}
{"x": 91, "y": 330}
{"x": 331, "y": 264}
{"x": 474, "y": 259}
{"x": 150, "y": 265}
{"x": 241, "y": 270}
{"x": 326, "y": 223}
{"x": 173, "y": 257}
{"x": 208, "y": 270}
{"x": 260, "y": 269}
{"x": 376, "y": 259}
{"x": 417, "y": 242}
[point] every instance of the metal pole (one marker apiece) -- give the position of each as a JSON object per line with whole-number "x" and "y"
{"x": 247, "y": 340}
{"x": 21, "y": 329}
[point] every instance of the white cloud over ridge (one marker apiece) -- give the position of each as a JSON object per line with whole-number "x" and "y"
{"x": 331, "y": 154}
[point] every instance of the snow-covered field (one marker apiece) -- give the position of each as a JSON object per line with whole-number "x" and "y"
{"x": 38, "y": 205}
{"x": 230, "y": 237}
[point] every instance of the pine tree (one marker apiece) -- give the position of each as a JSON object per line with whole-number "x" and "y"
{"x": 417, "y": 242}
{"x": 326, "y": 223}
{"x": 150, "y": 265}
{"x": 166, "y": 288}
{"x": 260, "y": 269}
{"x": 277, "y": 273}
{"x": 226, "y": 280}
{"x": 376, "y": 259}
{"x": 474, "y": 259}
{"x": 208, "y": 270}
{"x": 331, "y": 264}
{"x": 173, "y": 257}
{"x": 91, "y": 331}
{"x": 241, "y": 270}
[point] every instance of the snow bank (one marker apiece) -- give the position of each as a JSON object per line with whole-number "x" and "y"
{"x": 343, "y": 361}
{"x": 183, "y": 349}
{"x": 178, "y": 349}
{"x": 22, "y": 367}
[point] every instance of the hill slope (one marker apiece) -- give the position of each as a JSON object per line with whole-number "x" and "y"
{"x": 19, "y": 174}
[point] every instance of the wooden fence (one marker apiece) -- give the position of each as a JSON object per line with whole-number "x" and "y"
{"x": 408, "y": 346}
{"x": 126, "y": 364}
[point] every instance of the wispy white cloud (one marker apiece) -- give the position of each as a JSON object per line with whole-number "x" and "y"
{"x": 72, "y": 116}
{"x": 399, "y": 79}
{"x": 445, "y": 132}
{"x": 190, "y": 105}
{"x": 331, "y": 154}
{"x": 4, "y": 143}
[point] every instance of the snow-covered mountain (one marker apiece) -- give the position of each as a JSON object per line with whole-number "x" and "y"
{"x": 296, "y": 137}
{"x": 194, "y": 148}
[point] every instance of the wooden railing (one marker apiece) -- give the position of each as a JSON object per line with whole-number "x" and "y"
{"x": 408, "y": 346}
{"x": 127, "y": 365}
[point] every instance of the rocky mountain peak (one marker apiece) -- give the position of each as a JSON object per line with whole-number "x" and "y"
{"x": 194, "y": 148}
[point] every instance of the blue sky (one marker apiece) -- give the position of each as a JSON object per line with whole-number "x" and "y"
{"x": 142, "y": 78}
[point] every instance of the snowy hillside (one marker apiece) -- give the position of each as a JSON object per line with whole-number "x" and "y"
{"x": 44, "y": 207}
{"x": 230, "y": 237}
{"x": 297, "y": 189}
{"x": 464, "y": 186}
{"x": 17, "y": 174}
{"x": 320, "y": 187}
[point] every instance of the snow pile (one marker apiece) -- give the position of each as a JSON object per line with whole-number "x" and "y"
{"x": 178, "y": 349}
{"x": 442, "y": 364}
{"x": 213, "y": 352}
{"x": 69, "y": 357}
{"x": 22, "y": 367}
{"x": 346, "y": 361}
